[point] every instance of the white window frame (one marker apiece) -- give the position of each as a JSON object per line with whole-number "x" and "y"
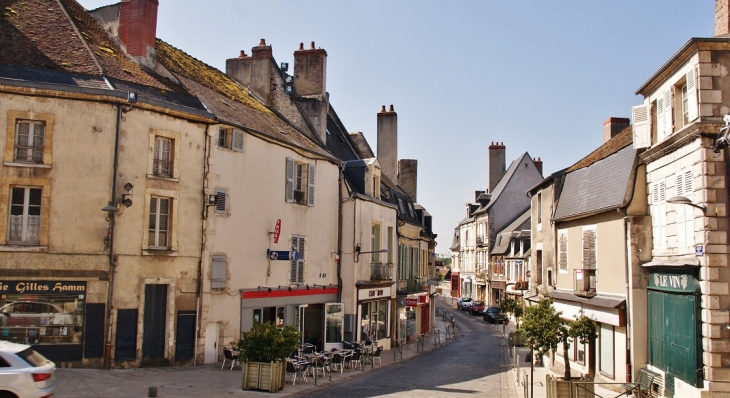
{"x": 156, "y": 231}
{"x": 299, "y": 178}
{"x": 218, "y": 271}
{"x": 29, "y": 224}
{"x": 296, "y": 272}
{"x": 562, "y": 251}
{"x": 163, "y": 157}
{"x": 33, "y": 144}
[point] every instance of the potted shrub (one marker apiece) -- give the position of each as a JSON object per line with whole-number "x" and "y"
{"x": 263, "y": 351}
{"x": 543, "y": 329}
{"x": 513, "y": 307}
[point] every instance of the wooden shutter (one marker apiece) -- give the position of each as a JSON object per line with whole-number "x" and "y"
{"x": 692, "y": 107}
{"x": 563, "y": 251}
{"x": 218, "y": 272}
{"x": 589, "y": 248}
{"x": 221, "y": 201}
{"x": 237, "y": 141}
{"x": 310, "y": 185}
{"x": 668, "y": 114}
{"x": 641, "y": 128}
{"x": 660, "y": 118}
{"x": 300, "y": 262}
{"x": 289, "y": 185}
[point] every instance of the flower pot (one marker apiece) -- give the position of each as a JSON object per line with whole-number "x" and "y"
{"x": 263, "y": 376}
{"x": 557, "y": 387}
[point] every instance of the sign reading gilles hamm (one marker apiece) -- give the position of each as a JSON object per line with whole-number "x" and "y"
{"x": 41, "y": 287}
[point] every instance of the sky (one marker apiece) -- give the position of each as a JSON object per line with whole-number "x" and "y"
{"x": 539, "y": 76}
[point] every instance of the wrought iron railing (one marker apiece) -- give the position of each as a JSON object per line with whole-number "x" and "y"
{"x": 381, "y": 271}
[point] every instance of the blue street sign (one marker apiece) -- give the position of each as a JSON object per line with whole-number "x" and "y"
{"x": 282, "y": 255}
{"x": 699, "y": 250}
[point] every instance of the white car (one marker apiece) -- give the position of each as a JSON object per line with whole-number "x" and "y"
{"x": 24, "y": 373}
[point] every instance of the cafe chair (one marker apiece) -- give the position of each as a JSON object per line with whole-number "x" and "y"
{"x": 228, "y": 355}
{"x": 355, "y": 360}
{"x": 337, "y": 361}
{"x": 376, "y": 355}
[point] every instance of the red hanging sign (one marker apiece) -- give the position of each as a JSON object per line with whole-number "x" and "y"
{"x": 411, "y": 302}
{"x": 277, "y": 231}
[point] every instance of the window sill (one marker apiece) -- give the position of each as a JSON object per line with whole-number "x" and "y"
{"x": 161, "y": 251}
{"x": 32, "y": 165}
{"x": 9, "y": 247}
{"x": 172, "y": 179}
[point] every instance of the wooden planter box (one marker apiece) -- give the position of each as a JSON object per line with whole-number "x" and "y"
{"x": 263, "y": 376}
{"x": 559, "y": 388}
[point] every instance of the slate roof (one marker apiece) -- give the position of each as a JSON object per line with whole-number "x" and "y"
{"x": 354, "y": 172}
{"x": 339, "y": 143}
{"x": 602, "y": 180}
{"x": 522, "y": 222}
{"x": 503, "y": 183}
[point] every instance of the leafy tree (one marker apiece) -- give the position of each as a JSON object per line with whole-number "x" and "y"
{"x": 544, "y": 329}
{"x": 266, "y": 342}
{"x": 513, "y": 307}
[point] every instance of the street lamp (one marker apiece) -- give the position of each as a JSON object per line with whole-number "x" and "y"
{"x": 358, "y": 252}
{"x": 682, "y": 200}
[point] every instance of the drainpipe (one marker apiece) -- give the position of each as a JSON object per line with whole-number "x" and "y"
{"x": 627, "y": 274}
{"x": 112, "y": 224}
{"x": 338, "y": 258}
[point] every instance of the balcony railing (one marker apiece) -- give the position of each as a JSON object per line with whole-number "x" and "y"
{"x": 381, "y": 272}
{"x": 413, "y": 284}
{"x": 481, "y": 241}
{"x": 584, "y": 282}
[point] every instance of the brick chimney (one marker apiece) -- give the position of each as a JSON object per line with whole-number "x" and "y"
{"x": 138, "y": 29}
{"x": 538, "y": 164}
{"x": 497, "y": 164}
{"x": 253, "y": 72}
{"x": 408, "y": 177}
{"x": 388, "y": 142}
{"x": 310, "y": 88}
{"x": 722, "y": 17}
{"x": 613, "y": 126}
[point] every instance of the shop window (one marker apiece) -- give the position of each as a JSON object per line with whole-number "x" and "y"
{"x": 607, "y": 350}
{"x": 273, "y": 315}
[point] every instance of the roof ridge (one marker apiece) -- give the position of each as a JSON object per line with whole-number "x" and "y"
{"x": 78, "y": 33}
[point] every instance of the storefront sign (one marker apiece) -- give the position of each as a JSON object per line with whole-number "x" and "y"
{"x": 411, "y": 302}
{"x": 676, "y": 282}
{"x": 41, "y": 287}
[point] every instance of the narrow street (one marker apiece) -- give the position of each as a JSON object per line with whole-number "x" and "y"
{"x": 466, "y": 367}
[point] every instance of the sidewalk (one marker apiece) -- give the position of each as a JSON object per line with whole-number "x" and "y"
{"x": 209, "y": 380}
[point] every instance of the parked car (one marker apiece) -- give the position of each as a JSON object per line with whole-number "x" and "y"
{"x": 476, "y": 307}
{"x": 463, "y": 303}
{"x": 493, "y": 314}
{"x": 25, "y": 373}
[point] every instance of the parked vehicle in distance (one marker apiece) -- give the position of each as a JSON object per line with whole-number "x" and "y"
{"x": 25, "y": 372}
{"x": 493, "y": 314}
{"x": 464, "y": 303}
{"x": 476, "y": 307}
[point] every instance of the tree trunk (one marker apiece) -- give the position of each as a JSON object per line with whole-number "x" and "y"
{"x": 567, "y": 361}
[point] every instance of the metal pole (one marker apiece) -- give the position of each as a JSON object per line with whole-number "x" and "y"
{"x": 532, "y": 371}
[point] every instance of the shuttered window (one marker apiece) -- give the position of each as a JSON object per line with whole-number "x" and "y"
{"x": 221, "y": 201}
{"x": 641, "y": 128}
{"x": 563, "y": 251}
{"x": 230, "y": 139}
{"x": 659, "y": 215}
{"x": 684, "y": 213}
{"x": 299, "y": 184}
{"x": 218, "y": 272}
{"x": 296, "y": 275}
{"x": 589, "y": 247}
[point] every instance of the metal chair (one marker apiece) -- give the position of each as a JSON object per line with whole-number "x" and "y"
{"x": 228, "y": 356}
{"x": 355, "y": 360}
{"x": 376, "y": 355}
{"x": 337, "y": 361}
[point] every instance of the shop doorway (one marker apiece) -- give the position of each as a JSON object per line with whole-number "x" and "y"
{"x": 155, "y": 311}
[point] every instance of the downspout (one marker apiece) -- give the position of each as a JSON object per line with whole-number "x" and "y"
{"x": 203, "y": 219}
{"x": 628, "y": 294}
{"x": 112, "y": 224}
{"x": 338, "y": 258}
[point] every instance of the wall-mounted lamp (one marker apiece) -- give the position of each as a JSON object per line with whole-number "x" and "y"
{"x": 132, "y": 97}
{"x": 358, "y": 252}
{"x": 681, "y": 200}
{"x": 110, "y": 210}
{"x": 211, "y": 200}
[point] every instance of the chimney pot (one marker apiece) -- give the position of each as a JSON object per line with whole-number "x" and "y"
{"x": 312, "y": 45}
{"x": 262, "y": 42}
{"x": 242, "y": 54}
{"x": 382, "y": 109}
{"x": 391, "y": 108}
{"x": 301, "y": 46}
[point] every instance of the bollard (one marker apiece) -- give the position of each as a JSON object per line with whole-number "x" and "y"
{"x": 152, "y": 391}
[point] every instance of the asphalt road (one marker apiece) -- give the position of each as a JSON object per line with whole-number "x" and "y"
{"x": 468, "y": 366}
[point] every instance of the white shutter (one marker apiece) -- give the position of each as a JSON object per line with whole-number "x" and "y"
{"x": 289, "y": 186}
{"x": 218, "y": 272}
{"x": 662, "y": 216}
{"x": 237, "y": 141}
{"x": 689, "y": 221}
{"x": 668, "y": 114}
{"x": 641, "y": 128}
{"x": 310, "y": 185}
{"x": 692, "y": 106}
{"x": 294, "y": 263}
{"x": 660, "y": 118}
{"x": 221, "y": 201}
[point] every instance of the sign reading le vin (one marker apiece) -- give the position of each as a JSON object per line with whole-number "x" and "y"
{"x": 282, "y": 255}
{"x": 41, "y": 287}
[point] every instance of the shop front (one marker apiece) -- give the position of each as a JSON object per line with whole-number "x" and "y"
{"x": 497, "y": 289}
{"x": 414, "y": 317}
{"x": 49, "y": 316}
{"x": 313, "y": 310}
{"x": 374, "y": 314}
